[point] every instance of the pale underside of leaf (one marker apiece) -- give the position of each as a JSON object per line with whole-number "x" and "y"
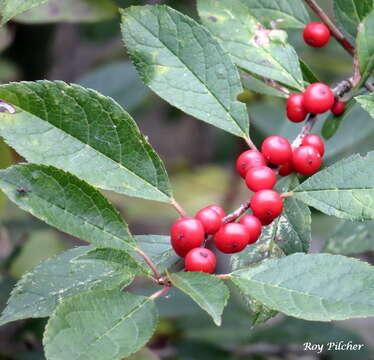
{"x": 317, "y": 287}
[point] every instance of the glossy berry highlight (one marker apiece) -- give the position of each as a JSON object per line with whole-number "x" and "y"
{"x": 318, "y": 98}
{"x": 316, "y": 34}
{"x": 210, "y": 220}
{"x": 295, "y": 109}
{"x": 315, "y": 141}
{"x": 218, "y": 210}
{"x": 247, "y": 160}
{"x": 306, "y": 160}
{"x": 277, "y": 150}
{"x": 338, "y": 108}
{"x": 260, "y": 178}
{"x": 254, "y": 227}
{"x": 266, "y": 204}
{"x": 231, "y": 238}
{"x": 186, "y": 234}
{"x": 200, "y": 259}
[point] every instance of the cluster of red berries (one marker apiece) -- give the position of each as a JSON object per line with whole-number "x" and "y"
{"x": 188, "y": 236}
{"x": 317, "y": 99}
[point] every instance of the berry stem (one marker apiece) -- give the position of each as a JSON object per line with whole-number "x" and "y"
{"x": 250, "y": 143}
{"x": 179, "y": 208}
{"x": 160, "y": 293}
{"x": 335, "y": 32}
{"x": 150, "y": 263}
{"x": 237, "y": 213}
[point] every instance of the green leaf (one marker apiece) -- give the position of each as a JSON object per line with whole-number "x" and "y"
{"x": 318, "y": 287}
{"x": 365, "y": 47}
{"x": 257, "y": 85}
{"x": 333, "y": 122}
{"x": 182, "y": 63}
{"x": 159, "y": 249}
{"x": 286, "y": 14}
{"x": 344, "y": 190}
{"x": 39, "y": 292}
{"x": 351, "y": 238}
{"x": 97, "y": 140}
{"x": 82, "y": 11}
{"x": 350, "y": 13}
{"x": 118, "y": 80}
{"x": 367, "y": 103}
{"x": 253, "y": 48}
{"x": 67, "y": 203}
{"x": 100, "y": 325}
{"x": 308, "y": 74}
{"x": 11, "y": 8}
{"x": 209, "y": 292}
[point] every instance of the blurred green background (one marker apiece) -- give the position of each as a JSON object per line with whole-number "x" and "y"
{"x": 200, "y": 161}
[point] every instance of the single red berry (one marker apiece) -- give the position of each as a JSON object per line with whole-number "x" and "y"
{"x": 338, "y": 108}
{"x": 295, "y": 108}
{"x": 253, "y": 225}
{"x": 210, "y": 219}
{"x": 200, "y": 259}
{"x": 186, "y": 234}
{"x": 286, "y": 169}
{"x": 266, "y": 204}
{"x": 306, "y": 160}
{"x": 318, "y": 98}
{"x": 260, "y": 177}
{"x": 231, "y": 238}
{"x": 218, "y": 210}
{"x": 249, "y": 159}
{"x": 277, "y": 150}
{"x": 315, "y": 141}
{"x": 316, "y": 34}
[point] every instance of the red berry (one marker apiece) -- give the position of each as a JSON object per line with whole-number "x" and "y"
{"x": 218, "y": 210}
{"x": 260, "y": 177}
{"x": 186, "y": 234}
{"x": 316, "y": 34}
{"x": 277, "y": 150}
{"x": 200, "y": 259}
{"x": 266, "y": 204}
{"x": 286, "y": 169}
{"x": 315, "y": 141}
{"x": 306, "y": 160}
{"x": 249, "y": 159}
{"x": 295, "y": 108}
{"x": 318, "y": 98}
{"x": 253, "y": 225}
{"x": 210, "y": 219}
{"x": 338, "y": 108}
{"x": 231, "y": 238}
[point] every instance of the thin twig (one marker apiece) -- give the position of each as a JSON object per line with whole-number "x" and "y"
{"x": 306, "y": 129}
{"x": 335, "y": 32}
{"x": 237, "y": 213}
{"x": 179, "y": 208}
{"x": 150, "y": 263}
{"x": 159, "y": 293}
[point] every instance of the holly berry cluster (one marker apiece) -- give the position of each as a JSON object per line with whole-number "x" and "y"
{"x": 188, "y": 235}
